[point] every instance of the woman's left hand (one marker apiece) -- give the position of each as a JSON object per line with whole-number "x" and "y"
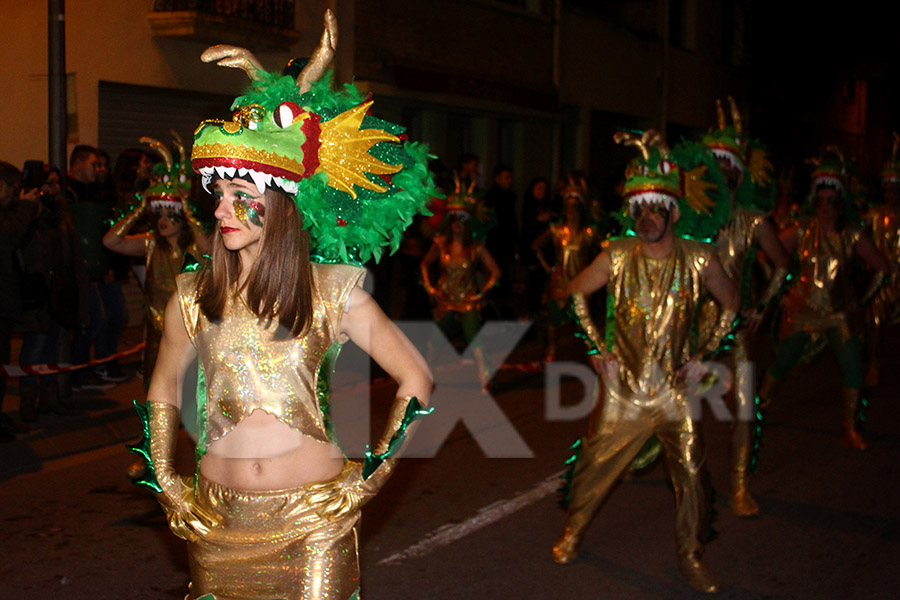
{"x": 341, "y": 496}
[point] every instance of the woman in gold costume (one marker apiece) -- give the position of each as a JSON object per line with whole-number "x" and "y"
{"x": 272, "y": 511}
{"x": 175, "y": 233}
{"x": 573, "y": 242}
{"x": 883, "y": 224}
{"x": 822, "y": 301}
{"x": 457, "y": 296}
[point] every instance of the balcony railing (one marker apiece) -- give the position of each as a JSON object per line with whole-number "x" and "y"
{"x": 261, "y": 23}
{"x": 274, "y": 13}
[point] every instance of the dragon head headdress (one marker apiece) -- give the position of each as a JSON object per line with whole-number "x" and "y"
{"x": 686, "y": 177}
{"x": 747, "y": 159}
{"x": 354, "y": 178}
{"x": 171, "y": 177}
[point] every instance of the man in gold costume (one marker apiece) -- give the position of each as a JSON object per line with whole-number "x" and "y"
{"x": 646, "y": 362}
{"x": 883, "y": 224}
{"x": 822, "y": 300}
{"x": 747, "y": 171}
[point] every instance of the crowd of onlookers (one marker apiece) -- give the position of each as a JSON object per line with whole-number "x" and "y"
{"x": 59, "y": 287}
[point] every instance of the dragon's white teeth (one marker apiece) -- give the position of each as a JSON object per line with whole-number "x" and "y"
{"x": 289, "y": 187}
{"x": 206, "y": 174}
{"x": 220, "y": 171}
{"x": 260, "y": 179}
{"x": 230, "y": 171}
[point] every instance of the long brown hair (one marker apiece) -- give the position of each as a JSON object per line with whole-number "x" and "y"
{"x": 279, "y": 286}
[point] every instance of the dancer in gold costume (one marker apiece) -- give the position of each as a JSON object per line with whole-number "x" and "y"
{"x": 457, "y": 296}
{"x": 646, "y": 362}
{"x": 272, "y": 511}
{"x": 822, "y": 300}
{"x": 883, "y": 224}
{"x": 175, "y": 233}
{"x": 748, "y": 172}
{"x": 573, "y": 241}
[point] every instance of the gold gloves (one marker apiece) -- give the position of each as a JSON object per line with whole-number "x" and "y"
{"x": 357, "y": 482}
{"x": 589, "y": 330}
{"x": 186, "y": 519}
{"x": 342, "y": 495}
{"x": 124, "y": 225}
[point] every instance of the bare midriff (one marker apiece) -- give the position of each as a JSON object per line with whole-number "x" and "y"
{"x": 262, "y": 453}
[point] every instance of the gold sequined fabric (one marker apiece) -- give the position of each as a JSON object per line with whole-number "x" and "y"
{"x": 246, "y": 369}
{"x": 652, "y": 328}
{"x": 733, "y": 242}
{"x": 884, "y": 224}
{"x": 163, "y": 267}
{"x": 458, "y": 285}
{"x": 272, "y": 545}
{"x": 606, "y": 455}
{"x": 736, "y": 238}
{"x": 816, "y": 300}
{"x": 572, "y": 255}
{"x": 655, "y": 300}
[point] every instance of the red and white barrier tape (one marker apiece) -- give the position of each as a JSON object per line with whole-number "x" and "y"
{"x": 51, "y": 368}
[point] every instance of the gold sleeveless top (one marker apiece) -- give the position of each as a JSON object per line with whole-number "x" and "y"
{"x": 163, "y": 267}
{"x": 735, "y": 239}
{"x": 816, "y": 300}
{"x": 246, "y": 369}
{"x": 655, "y": 300}
{"x": 573, "y": 250}
{"x": 458, "y": 281}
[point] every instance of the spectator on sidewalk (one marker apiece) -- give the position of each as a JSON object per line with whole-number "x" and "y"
{"x": 18, "y": 210}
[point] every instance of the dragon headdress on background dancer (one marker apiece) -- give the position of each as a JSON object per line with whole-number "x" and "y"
{"x": 355, "y": 179}
{"x": 743, "y": 160}
{"x": 171, "y": 179}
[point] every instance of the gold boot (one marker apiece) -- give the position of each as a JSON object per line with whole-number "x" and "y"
{"x": 565, "y": 550}
{"x": 484, "y": 375}
{"x": 696, "y": 575}
{"x": 742, "y": 503}
{"x": 852, "y": 439}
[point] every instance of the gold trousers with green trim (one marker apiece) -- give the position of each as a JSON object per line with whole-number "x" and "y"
{"x": 272, "y": 545}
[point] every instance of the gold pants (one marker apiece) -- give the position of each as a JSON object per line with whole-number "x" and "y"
{"x": 744, "y": 405}
{"x": 272, "y": 545}
{"x": 616, "y": 438}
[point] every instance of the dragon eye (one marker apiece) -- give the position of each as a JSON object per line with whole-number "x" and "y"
{"x": 665, "y": 167}
{"x": 288, "y": 113}
{"x": 165, "y": 178}
{"x": 644, "y": 171}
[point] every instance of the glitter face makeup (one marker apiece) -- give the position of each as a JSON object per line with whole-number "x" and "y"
{"x": 249, "y": 211}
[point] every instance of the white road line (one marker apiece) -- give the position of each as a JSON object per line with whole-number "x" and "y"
{"x": 447, "y": 534}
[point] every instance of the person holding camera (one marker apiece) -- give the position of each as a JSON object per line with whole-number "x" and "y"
{"x": 56, "y": 293}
